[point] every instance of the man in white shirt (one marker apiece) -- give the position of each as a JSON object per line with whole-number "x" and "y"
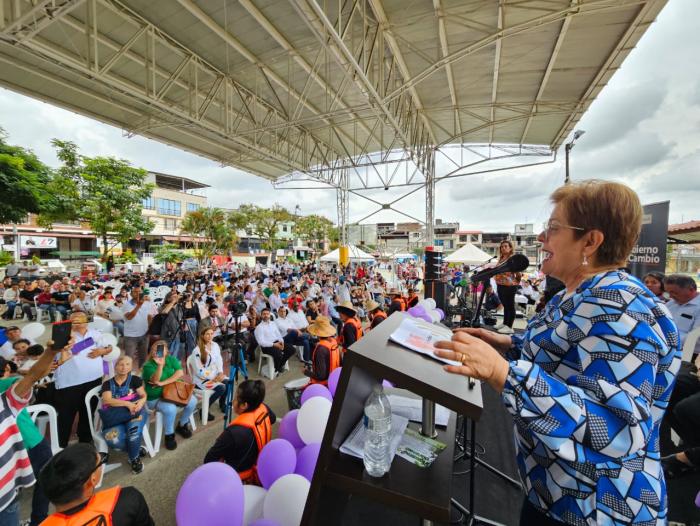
{"x": 138, "y": 313}
{"x": 684, "y": 305}
{"x": 76, "y": 376}
{"x": 272, "y": 342}
{"x": 298, "y": 317}
{"x": 291, "y": 334}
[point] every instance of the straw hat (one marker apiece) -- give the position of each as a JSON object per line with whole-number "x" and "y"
{"x": 394, "y": 292}
{"x": 321, "y": 328}
{"x": 346, "y": 308}
{"x": 371, "y": 305}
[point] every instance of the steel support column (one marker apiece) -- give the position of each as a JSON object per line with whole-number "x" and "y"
{"x": 343, "y": 203}
{"x": 430, "y": 199}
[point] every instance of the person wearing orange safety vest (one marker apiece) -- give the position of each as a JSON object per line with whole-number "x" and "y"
{"x": 398, "y": 304}
{"x": 69, "y": 480}
{"x": 239, "y": 444}
{"x": 351, "y": 330}
{"x": 412, "y": 299}
{"x": 326, "y": 356}
{"x": 376, "y": 313}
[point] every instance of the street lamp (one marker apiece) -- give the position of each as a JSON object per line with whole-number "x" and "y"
{"x": 567, "y": 148}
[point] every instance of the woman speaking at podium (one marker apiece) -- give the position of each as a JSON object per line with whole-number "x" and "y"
{"x": 588, "y": 382}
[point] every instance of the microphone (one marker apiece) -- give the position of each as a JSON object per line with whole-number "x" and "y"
{"x": 516, "y": 263}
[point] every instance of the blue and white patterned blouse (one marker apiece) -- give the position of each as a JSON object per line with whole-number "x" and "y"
{"x": 587, "y": 395}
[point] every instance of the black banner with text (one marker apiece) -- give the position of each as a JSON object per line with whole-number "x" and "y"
{"x": 649, "y": 254}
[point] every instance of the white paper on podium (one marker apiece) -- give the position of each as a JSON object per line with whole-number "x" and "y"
{"x": 412, "y": 408}
{"x": 421, "y": 336}
{"x": 355, "y": 443}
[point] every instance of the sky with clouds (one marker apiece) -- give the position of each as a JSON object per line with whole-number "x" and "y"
{"x": 643, "y": 130}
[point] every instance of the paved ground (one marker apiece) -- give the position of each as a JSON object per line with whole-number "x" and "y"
{"x": 164, "y": 474}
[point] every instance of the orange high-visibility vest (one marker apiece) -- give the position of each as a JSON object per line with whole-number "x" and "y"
{"x": 98, "y": 511}
{"x": 412, "y": 300}
{"x": 334, "y": 357}
{"x": 358, "y": 331}
{"x": 258, "y": 421}
{"x": 377, "y": 317}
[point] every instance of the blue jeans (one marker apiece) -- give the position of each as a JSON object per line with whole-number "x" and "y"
{"x": 10, "y": 313}
{"x": 174, "y": 346}
{"x": 60, "y": 308}
{"x": 10, "y": 515}
{"x": 294, "y": 339}
{"x": 127, "y": 437}
{"x": 169, "y": 412}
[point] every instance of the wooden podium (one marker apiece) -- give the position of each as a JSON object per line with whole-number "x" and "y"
{"x": 424, "y": 492}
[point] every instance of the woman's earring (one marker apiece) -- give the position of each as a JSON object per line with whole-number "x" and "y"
{"x": 585, "y": 261}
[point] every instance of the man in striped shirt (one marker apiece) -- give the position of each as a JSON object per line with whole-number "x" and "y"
{"x": 15, "y": 467}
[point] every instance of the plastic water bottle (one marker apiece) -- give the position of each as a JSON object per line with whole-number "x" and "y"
{"x": 377, "y": 422}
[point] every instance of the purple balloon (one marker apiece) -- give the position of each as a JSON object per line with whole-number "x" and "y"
{"x": 306, "y": 461}
{"x": 697, "y": 500}
{"x": 440, "y": 312}
{"x": 333, "y": 380}
{"x": 412, "y": 311}
{"x": 264, "y": 522}
{"x": 288, "y": 429}
{"x": 387, "y": 383}
{"x": 277, "y": 459}
{"x": 316, "y": 390}
{"x": 213, "y": 495}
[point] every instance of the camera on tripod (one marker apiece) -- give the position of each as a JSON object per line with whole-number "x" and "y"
{"x": 238, "y": 306}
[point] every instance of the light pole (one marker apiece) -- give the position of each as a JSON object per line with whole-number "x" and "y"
{"x": 567, "y": 149}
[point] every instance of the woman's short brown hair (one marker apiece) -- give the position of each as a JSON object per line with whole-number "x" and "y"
{"x": 611, "y": 208}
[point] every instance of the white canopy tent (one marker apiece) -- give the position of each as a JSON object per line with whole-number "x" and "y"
{"x": 356, "y": 255}
{"x": 469, "y": 255}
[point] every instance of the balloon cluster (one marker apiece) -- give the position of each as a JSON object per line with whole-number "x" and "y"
{"x": 214, "y": 495}
{"x": 427, "y": 310}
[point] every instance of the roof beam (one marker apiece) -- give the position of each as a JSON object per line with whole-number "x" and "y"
{"x": 548, "y": 70}
{"x": 41, "y": 15}
{"x": 204, "y": 18}
{"x": 323, "y": 28}
{"x": 380, "y": 14}
{"x": 496, "y": 68}
{"x": 445, "y": 48}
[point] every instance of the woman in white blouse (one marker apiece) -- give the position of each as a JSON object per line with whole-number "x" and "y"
{"x": 206, "y": 367}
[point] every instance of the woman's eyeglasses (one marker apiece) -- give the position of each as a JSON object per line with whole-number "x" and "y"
{"x": 553, "y": 226}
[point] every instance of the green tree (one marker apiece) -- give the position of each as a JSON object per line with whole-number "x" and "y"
{"x": 211, "y": 233}
{"x": 314, "y": 229}
{"x": 168, "y": 253}
{"x": 105, "y": 192}
{"x": 265, "y": 222}
{"x": 23, "y": 180}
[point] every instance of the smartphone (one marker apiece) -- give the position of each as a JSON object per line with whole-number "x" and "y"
{"x": 160, "y": 350}
{"x": 60, "y": 333}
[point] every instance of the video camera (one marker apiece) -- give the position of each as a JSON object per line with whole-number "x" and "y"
{"x": 238, "y": 306}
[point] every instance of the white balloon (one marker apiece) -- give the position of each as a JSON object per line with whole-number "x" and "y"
{"x": 286, "y": 498}
{"x": 253, "y": 498}
{"x": 113, "y": 355}
{"x": 430, "y": 304}
{"x": 32, "y": 331}
{"x": 434, "y": 315}
{"x": 312, "y": 419}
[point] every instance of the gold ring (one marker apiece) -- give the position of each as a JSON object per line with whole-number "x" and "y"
{"x": 464, "y": 357}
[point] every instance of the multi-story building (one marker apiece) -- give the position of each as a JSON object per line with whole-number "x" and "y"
{"x": 403, "y": 238}
{"x": 469, "y": 236}
{"x": 525, "y": 240}
{"x": 172, "y": 198}
{"x": 446, "y": 235}
{"x": 364, "y": 235}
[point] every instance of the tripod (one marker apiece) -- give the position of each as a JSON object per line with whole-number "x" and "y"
{"x": 237, "y": 364}
{"x": 470, "y": 451}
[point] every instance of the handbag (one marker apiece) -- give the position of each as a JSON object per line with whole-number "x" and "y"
{"x": 178, "y": 393}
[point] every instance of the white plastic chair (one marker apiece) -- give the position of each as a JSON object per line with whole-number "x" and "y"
{"x": 691, "y": 341}
{"x": 269, "y": 365}
{"x": 96, "y": 425}
{"x": 202, "y": 395}
{"x": 101, "y": 325}
{"x": 33, "y": 331}
{"x": 51, "y": 419}
{"x": 41, "y": 314}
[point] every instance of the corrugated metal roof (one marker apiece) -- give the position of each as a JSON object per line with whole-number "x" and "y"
{"x": 276, "y": 87}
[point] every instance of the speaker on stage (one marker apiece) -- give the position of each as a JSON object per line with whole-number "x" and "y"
{"x": 433, "y": 263}
{"x": 438, "y": 291}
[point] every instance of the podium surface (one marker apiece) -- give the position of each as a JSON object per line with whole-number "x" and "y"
{"x": 424, "y": 492}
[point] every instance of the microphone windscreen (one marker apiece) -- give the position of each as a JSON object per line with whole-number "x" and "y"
{"x": 518, "y": 263}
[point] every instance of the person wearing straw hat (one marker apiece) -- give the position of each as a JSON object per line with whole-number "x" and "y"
{"x": 326, "y": 355}
{"x": 351, "y": 330}
{"x": 398, "y": 304}
{"x": 376, "y": 313}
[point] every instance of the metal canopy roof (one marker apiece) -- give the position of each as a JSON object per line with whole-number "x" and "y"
{"x": 277, "y": 87}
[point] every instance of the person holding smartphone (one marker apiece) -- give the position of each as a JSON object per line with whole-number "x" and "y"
{"x": 160, "y": 370}
{"x": 76, "y": 376}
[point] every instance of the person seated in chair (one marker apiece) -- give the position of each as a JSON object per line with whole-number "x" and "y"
{"x": 326, "y": 355}
{"x": 376, "y": 313}
{"x": 70, "y": 479}
{"x": 241, "y": 442}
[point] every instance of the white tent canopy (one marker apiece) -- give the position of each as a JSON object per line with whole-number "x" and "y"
{"x": 469, "y": 255}
{"x": 356, "y": 255}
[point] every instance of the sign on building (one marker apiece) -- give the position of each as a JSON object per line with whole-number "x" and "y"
{"x": 649, "y": 254}
{"x": 28, "y": 242}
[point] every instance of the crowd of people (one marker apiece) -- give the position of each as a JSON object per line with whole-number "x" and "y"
{"x": 179, "y": 331}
